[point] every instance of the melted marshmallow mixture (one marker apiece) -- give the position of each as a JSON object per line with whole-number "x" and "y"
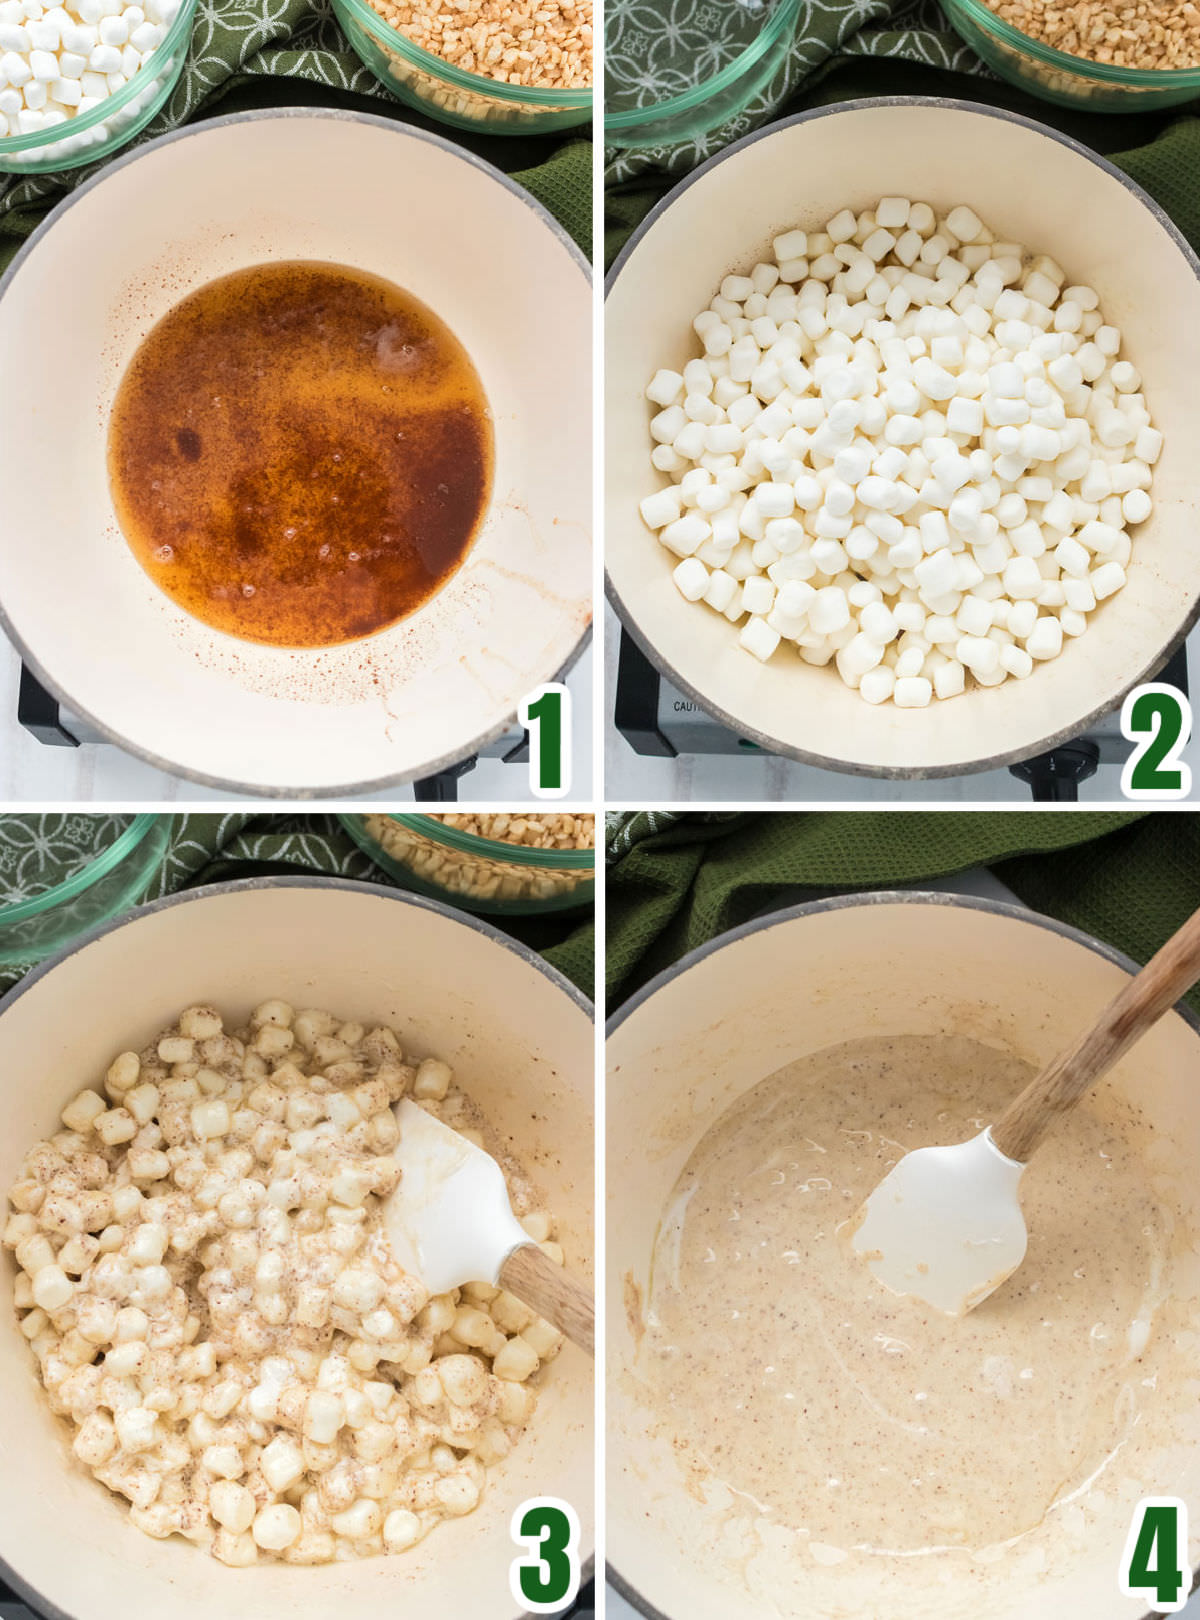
{"x": 866, "y": 1422}
{"x": 215, "y": 1311}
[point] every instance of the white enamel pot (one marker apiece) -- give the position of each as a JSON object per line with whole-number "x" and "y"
{"x": 116, "y": 254}
{"x": 1031, "y": 185}
{"x": 520, "y": 1039}
{"x": 684, "y": 1049}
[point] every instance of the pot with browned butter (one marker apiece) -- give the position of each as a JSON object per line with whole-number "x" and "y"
{"x": 785, "y": 1437}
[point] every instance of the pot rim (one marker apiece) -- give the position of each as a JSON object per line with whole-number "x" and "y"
{"x": 395, "y": 126}
{"x": 24, "y": 1590}
{"x": 844, "y": 902}
{"x": 772, "y": 745}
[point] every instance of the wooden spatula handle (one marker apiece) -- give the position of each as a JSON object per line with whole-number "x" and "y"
{"x": 534, "y": 1278}
{"x": 1174, "y": 969}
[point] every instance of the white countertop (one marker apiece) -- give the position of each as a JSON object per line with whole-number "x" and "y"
{"x": 632, "y": 779}
{"x": 31, "y": 770}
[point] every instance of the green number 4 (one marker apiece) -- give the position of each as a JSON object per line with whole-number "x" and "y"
{"x": 1157, "y": 719}
{"x": 547, "y": 1578}
{"x": 546, "y": 715}
{"x": 1155, "y": 1562}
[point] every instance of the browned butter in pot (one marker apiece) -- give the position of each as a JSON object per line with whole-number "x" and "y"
{"x": 300, "y": 453}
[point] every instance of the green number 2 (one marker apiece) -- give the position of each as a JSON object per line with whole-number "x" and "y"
{"x": 1158, "y": 719}
{"x": 547, "y": 1578}
{"x": 1155, "y": 1554}
{"x": 546, "y": 715}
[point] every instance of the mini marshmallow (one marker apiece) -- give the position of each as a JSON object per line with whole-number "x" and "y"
{"x": 964, "y": 223}
{"x": 964, "y": 416}
{"x": 685, "y": 535}
{"x": 1022, "y": 578}
{"x": 1148, "y": 445}
{"x": 974, "y": 617}
{"x": 857, "y": 657}
{"x": 936, "y": 574}
{"x": 791, "y": 245}
{"x": 721, "y": 589}
{"x": 664, "y": 387}
{"x": 1016, "y": 661}
{"x": 829, "y": 610}
{"x": 691, "y": 578}
{"x": 1136, "y": 506}
{"x": 912, "y": 692}
{"x": 877, "y": 685}
{"x": 1106, "y": 580}
{"x": 661, "y": 508}
{"x": 759, "y": 638}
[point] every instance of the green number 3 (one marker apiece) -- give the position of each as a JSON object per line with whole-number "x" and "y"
{"x": 1155, "y": 1554}
{"x": 547, "y": 1578}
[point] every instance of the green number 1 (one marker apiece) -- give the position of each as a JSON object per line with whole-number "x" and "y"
{"x": 548, "y": 1577}
{"x": 546, "y": 715}
{"x": 1155, "y": 1554}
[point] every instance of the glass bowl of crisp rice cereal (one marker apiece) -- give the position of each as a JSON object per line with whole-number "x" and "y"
{"x": 498, "y": 69}
{"x": 505, "y": 863}
{"x": 1106, "y": 57}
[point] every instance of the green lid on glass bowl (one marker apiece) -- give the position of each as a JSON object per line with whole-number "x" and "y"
{"x": 674, "y": 69}
{"x": 61, "y": 875}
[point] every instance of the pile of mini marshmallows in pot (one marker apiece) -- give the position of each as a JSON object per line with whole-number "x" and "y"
{"x": 908, "y": 448}
{"x": 57, "y": 62}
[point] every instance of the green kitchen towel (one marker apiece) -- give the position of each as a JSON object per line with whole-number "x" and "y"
{"x": 873, "y": 48}
{"x": 676, "y": 880}
{"x": 41, "y": 849}
{"x": 906, "y": 28}
{"x": 261, "y": 53}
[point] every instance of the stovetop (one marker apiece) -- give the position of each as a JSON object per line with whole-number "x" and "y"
{"x": 657, "y": 719}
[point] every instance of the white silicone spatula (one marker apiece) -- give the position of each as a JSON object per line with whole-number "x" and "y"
{"x": 450, "y": 1222}
{"x": 946, "y": 1224}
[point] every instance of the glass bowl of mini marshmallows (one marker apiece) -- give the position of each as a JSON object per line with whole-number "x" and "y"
{"x": 80, "y": 79}
{"x": 1102, "y": 57}
{"x": 489, "y": 65}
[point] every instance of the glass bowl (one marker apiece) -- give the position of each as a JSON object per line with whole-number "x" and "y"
{"x": 466, "y": 100}
{"x": 103, "y": 130}
{"x": 63, "y": 874}
{"x": 476, "y": 874}
{"x": 674, "y": 69}
{"x": 1067, "y": 81}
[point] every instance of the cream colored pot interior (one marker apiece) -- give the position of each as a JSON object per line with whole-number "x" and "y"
{"x": 1028, "y": 187}
{"x": 379, "y": 196}
{"x": 521, "y": 1046}
{"x": 683, "y": 1055}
